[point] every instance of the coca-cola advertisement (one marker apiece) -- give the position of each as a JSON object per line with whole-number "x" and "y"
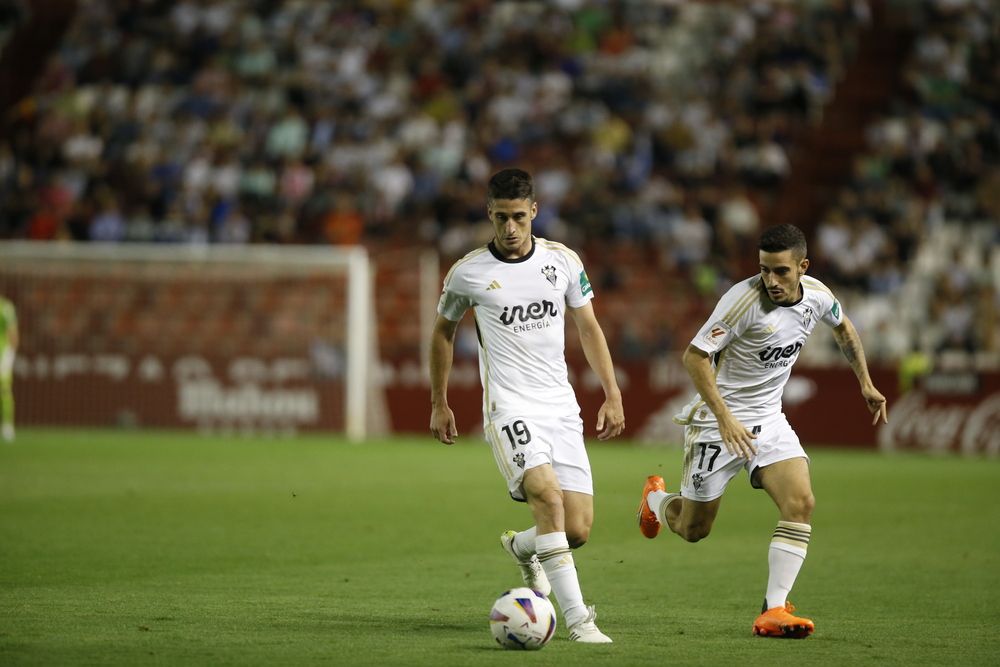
{"x": 949, "y": 413}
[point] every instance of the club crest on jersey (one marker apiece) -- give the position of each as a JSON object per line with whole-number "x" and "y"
{"x": 807, "y": 316}
{"x": 697, "y": 480}
{"x": 519, "y": 460}
{"x": 550, "y": 274}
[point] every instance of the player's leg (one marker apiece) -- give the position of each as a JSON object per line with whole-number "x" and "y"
{"x": 521, "y": 547}
{"x": 521, "y": 444}
{"x": 524, "y": 444}
{"x": 579, "y": 512}
{"x": 546, "y": 501}
{"x": 691, "y": 519}
{"x": 708, "y": 469}
{"x": 789, "y": 485}
{"x": 578, "y": 517}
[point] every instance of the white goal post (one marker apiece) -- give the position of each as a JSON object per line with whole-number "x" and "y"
{"x": 44, "y": 268}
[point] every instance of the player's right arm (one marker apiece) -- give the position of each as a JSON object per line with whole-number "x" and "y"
{"x": 737, "y": 437}
{"x": 442, "y": 351}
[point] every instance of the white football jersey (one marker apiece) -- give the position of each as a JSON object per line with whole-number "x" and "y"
{"x": 753, "y": 344}
{"x": 520, "y": 310}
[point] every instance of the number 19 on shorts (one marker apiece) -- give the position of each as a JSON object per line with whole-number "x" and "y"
{"x": 517, "y": 433}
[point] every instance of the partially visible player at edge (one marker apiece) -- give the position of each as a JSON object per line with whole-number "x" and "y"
{"x": 520, "y": 289}
{"x": 8, "y": 348}
{"x": 739, "y": 362}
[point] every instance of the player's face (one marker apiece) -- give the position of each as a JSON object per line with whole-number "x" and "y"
{"x": 511, "y": 220}
{"x": 781, "y": 272}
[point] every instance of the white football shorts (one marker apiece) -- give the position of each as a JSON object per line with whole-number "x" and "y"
{"x": 521, "y": 442}
{"x": 709, "y": 467}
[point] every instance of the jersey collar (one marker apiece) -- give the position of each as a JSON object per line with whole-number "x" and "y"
{"x": 802, "y": 295}
{"x": 515, "y": 260}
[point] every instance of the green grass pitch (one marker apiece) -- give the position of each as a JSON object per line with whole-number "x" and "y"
{"x": 168, "y": 548}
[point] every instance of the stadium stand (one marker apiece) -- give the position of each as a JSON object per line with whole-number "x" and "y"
{"x": 662, "y": 135}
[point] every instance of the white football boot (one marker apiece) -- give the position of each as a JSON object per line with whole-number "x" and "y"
{"x": 531, "y": 569}
{"x": 586, "y": 630}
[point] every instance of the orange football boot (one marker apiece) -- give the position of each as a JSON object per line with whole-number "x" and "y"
{"x": 648, "y": 523}
{"x": 779, "y": 622}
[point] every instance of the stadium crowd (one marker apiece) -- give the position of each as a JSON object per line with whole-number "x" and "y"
{"x": 922, "y": 204}
{"x": 658, "y": 132}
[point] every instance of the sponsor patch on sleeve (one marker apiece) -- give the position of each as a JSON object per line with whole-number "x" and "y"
{"x": 717, "y": 334}
{"x": 585, "y": 287}
{"x": 835, "y": 311}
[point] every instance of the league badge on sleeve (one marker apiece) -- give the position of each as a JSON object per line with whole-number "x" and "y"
{"x": 718, "y": 333}
{"x": 585, "y": 287}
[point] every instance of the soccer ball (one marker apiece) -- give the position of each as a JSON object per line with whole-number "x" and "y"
{"x": 523, "y": 619}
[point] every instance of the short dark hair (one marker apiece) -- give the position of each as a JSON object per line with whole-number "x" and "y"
{"x": 783, "y": 237}
{"x": 510, "y": 184}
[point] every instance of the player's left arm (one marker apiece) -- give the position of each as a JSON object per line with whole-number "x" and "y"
{"x": 611, "y": 417}
{"x": 850, "y": 344}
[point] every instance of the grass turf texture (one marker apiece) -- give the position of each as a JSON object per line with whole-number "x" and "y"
{"x": 136, "y": 548}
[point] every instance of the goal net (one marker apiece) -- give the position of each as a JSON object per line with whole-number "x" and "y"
{"x": 251, "y": 339}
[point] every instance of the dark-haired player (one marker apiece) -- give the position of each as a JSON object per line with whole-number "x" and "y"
{"x": 739, "y": 362}
{"x": 520, "y": 289}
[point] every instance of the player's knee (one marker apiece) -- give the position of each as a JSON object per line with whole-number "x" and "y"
{"x": 695, "y": 532}
{"x": 550, "y": 500}
{"x": 800, "y": 508}
{"x": 577, "y": 536}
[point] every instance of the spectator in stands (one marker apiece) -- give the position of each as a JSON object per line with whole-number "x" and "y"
{"x": 691, "y": 237}
{"x": 739, "y": 221}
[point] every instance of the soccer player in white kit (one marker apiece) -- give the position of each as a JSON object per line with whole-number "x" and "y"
{"x": 520, "y": 288}
{"x": 8, "y": 349}
{"x": 739, "y": 362}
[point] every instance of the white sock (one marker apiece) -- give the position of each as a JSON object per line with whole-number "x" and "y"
{"x": 524, "y": 543}
{"x": 658, "y": 501}
{"x": 557, "y": 562}
{"x": 784, "y": 558}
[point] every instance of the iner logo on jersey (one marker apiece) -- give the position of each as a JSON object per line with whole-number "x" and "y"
{"x": 533, "y": 311}
{"x": 778, "y": 356}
